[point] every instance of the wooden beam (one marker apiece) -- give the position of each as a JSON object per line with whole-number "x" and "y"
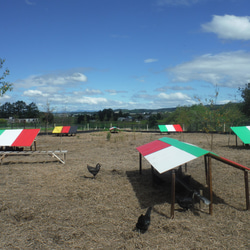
{"x": 210, "y": 186}
{"x": 246, "y": 189}
{"x": 140, "y": 163}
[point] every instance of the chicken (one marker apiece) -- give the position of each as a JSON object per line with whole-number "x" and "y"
{"x": 94, "y": 170}
{"x": 185, "y": 202}
{"x": 144, "y": 221}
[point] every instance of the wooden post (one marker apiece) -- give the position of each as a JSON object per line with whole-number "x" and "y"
{"x": 210, "y": 186}
{"x": 140, "y": 167}
{"x": 173, "y": 194}
{"x": 236, "y": 140}
{"x": 246, "y": 189}
{"x": 185, "y": 167}
{"x": 206, "y": 174}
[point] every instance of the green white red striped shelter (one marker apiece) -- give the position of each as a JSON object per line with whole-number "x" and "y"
{"x": 167, "y": 153}
{"x": 243, "y": 132}
{"x": 18, "y": 137}
{"x": 170, "y": 128}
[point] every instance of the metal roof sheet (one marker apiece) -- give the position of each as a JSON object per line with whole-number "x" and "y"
{"x": 243, "y": 132}
{"x": 167, "y": 153}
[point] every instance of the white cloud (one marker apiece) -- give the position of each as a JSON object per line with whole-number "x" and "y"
{"x": 34, "y": 93}
{"x": 229, "y": 27}
{"x": 174, "y": 96}
{"x": 92, "y": 92}
{"x": 114, "y": 92}
{"x": 91, "y": 100}
{"x": 29, "y": 2}
{"x": 51, "y": 79}
{"x": 177, "y": 2}
{"x": 150, "y": 60}
{"x": 230, "y": 69}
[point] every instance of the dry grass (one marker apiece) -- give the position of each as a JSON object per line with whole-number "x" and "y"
{"x": 47, "y": 205}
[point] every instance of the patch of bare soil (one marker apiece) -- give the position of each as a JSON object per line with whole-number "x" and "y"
{"x": 48, "y": 205}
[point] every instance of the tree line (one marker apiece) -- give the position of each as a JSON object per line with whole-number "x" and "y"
{"x": 19, "y": 110}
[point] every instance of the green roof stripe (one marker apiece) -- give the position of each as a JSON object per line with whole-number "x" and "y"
{"x": 191, "y": 149}
{"x": 243, "y": 133}
{"x": 163, "y": 128}
{"x": 1, "y": 131}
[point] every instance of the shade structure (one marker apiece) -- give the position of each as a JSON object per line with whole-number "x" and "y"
{"x": 167, "y": 153}
{"x": 65, "y": 130}
{"x": 114, "y": 129}
{"x": 170, "y": 128}
{"x": 243, "y": 132}
{"x": 18, "y": 137}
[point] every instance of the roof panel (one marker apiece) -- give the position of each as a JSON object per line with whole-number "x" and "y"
{"x": 192, "y": 149}
{"x": 168, "y": 158}
{"x": 152, "y": 147}
{"x": 167, "y": 153}
{"x": 243, "y": 133}
{"x": 57, "y": 130}
{"x": 65, "y": 129}
{"x": 25, "y": 138}
{"x": 7, "y": 137}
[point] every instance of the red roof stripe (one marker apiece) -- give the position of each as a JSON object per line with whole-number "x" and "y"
{"x": 235, "y": 163}
{"x": 25, "y": 138}
{"x": 65, "y": 129}
{"x": 152, "y": 147}
{"x": 178, "y": 128}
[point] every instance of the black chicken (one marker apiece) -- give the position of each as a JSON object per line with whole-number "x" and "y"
{"x": 144, "y": 221}
{"x": 185, "y": 202}
{"x": 94, "y": 170}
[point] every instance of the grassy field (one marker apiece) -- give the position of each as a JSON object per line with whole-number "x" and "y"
{"x": 48, "y": 205}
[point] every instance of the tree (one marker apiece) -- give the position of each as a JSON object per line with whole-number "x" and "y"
{"x": 4, "y": 86}
{"x": 245, "y": 94}
{"x": 32, "y": 110}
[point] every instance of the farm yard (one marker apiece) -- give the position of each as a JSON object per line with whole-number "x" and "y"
{"x": 48, "y": 205}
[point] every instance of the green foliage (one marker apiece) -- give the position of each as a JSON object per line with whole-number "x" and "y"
{"x": 3, "y": 121}
{"x": 19, "y": 109}
{"x": 108, "y": 136}
{"x": 152, "y": 120}
{"x": 245, "y": 94}
{"x": 4, "y": 86}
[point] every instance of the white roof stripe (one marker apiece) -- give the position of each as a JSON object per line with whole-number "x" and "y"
{"x": 170, "y": 128}
{"x": 168, "y": 158}
{"x": 248, "y": 127}
{"x": 9, "y": 136}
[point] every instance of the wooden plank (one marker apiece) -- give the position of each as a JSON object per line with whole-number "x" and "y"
{"x": 50, "y": 153}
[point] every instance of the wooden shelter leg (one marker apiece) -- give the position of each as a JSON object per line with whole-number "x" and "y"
{"x": 206, "y": 174}
{"x": 210, "y": 185}
{"x": 246, "y": 189}
{"x": 173, "y": 194}
{"x": 236, "y": 140}
{"x": 140, "y": 163}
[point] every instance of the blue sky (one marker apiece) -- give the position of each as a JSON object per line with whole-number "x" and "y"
{"x": 97, "y": 54}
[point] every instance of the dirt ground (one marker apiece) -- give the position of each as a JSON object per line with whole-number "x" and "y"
{"x": 45, "y": 204}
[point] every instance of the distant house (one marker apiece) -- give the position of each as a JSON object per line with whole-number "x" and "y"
{"x": 23, "y": 120}
{"x": 121, "y": 119}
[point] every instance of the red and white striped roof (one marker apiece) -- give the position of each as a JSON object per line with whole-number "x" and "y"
{"x": 167, "y": 153}
{"x": 18, "y": 137}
